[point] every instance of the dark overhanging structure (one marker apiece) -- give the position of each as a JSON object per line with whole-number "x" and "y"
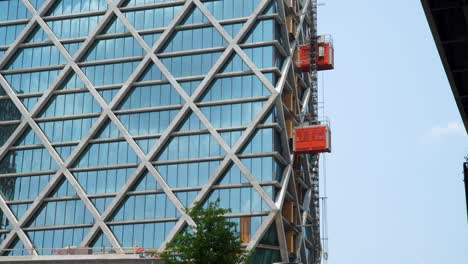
{"x": 448, "y": 20}
{"x": 465, "y": 172}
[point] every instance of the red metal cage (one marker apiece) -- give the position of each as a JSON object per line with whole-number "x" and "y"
{"x": 325, "y": 53}
{"x": 312, "y": 139}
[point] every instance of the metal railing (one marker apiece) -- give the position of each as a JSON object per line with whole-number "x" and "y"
{"x": 69, "y": 251}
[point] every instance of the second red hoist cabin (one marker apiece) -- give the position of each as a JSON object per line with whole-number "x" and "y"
{"x": 313, "y": 139}
{"x": 325, "y": 55}
{"x": 304, "y": 58}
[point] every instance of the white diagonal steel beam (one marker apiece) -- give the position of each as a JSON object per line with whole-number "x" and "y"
{"x": 16, "y": 228}
{"x": 29, "y": 28}
{"x": 108, "y": 111}
{"x": 179, "y": 117}
{"x": 163, "y": 139}
{"x": 235, "y": 46}
{"x": 42, "y": 102}
{"x": 156, "y": 60}
{"x": 243, "y": 140}
{"x": 194, "y": 109}
{"x": 58, "y": 160}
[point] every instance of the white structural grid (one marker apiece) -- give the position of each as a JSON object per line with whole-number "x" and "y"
{"x": 189, "y": 107}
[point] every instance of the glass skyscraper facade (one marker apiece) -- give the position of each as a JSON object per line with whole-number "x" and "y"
{"x": 117, "y": 115}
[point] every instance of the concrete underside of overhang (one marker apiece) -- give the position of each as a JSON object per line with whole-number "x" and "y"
{"x": 448, "y": 20}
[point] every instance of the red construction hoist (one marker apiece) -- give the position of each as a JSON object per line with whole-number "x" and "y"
{"x": 314, "y": 139}
{"x": 304, "y": 62}
{"x": 325, "y": 55}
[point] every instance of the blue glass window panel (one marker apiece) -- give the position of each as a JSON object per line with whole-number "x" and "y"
{"x": 115, "y": 48}
{"x": 34, "y": 82}
{"x": 4, "y": 224}
{"x": 229, "y": 9}
{"x": 189, "y": 87}
{"x": 264, "y": 57}
{"x": 30, "y": 102}
{"x": 233, "y": 29}
{"x": 23, "y": 188}
{"x": 108, "y": 95}
{"x": 67, "y": 130}
{"x": 29, "y": 137}
{"x": 71, "y": 104}
{"x": 240, "y": 87}
{"x": 155, "y": 18}
{"x": 152, "y": 73}
{"x": 106, "y": 154}
{"x": 233, "y": 176}
{"x": 115, "y": 27}
{"x": 263, "y": 31}
{"x": 103, "y": 181}
{"x": 29, "y": 58}
{"x": 109, "y": 130}
{"x": 73, "y": 6}
{"x": 148, "y": 123}
{"x": 191, "y": 65}
{"x": 146, "y": 2}
{"x": 239, "y": 200}
{"x": 186, "y": 198}
{"x": 270, "y": 190}
{"x": 5, "y": 132}
{"x": 13, "y": 10}
{"x": 27, "y": 160}
{"x": 58, "y": 239}
{"x": 191, "y": 123}
{"x": 242, "y": 114}
{"x": 8, "y": 34}
{"x": 178, "y": 148}
{"x": 19, "y": 209}
{"x": 72, "y": 48}
{"x": 271, "y": 9}
{"x": 101, "y": 203}
{"x": 74, "y": 27}
{"x": 270, "y": 237}
{"x": 149, "y": 236}
{"x": 196, "y": 17}
{"x": 110, "y": 74}
{"x": 44, "y": 240}
{"x": 134, "y": 206}
{"x": 9, "y": 111}
{"x": 147, "y": 182}
{"x": 235, "y": 64}
{"x": 198, "y": 173}
{"x": 265, "y": 256}
{"x": 72, "y": 83}
{"x": 231, "y": 137}
{"x": 146, "y": 144}
{"x": 64, "y": 189}
{"x": 17, "y": 249}
{"x": 151, "y": 39}
{"x": 263, "y": 169}
{"x": 60, "y": 213}
{"x": 38, "y": 35}
{"x": 151, "y": 96}
{"x": 65, "y": 151}
{"x": 262, "y": 142}
{"x": 195, "y": 39}
{"x": 101, "y": 242}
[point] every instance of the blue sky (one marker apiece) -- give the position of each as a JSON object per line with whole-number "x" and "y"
{"x": 394, "y": 178}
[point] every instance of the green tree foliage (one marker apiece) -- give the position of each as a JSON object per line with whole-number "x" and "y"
{"x": 214, "y": 240}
